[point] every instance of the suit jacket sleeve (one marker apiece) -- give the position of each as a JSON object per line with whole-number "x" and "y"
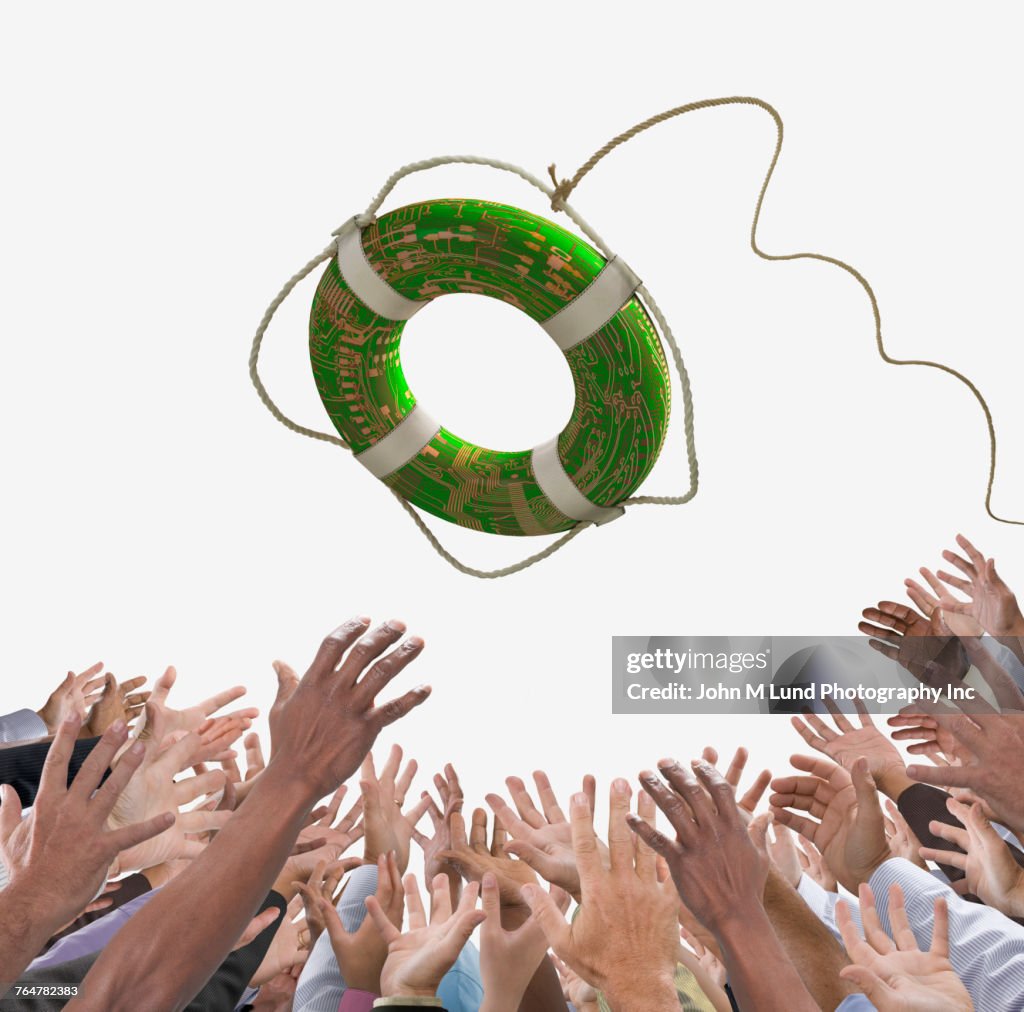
{"x": 22, "y": 765}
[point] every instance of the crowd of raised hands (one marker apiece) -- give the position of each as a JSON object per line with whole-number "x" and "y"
{"x": 159, "y": 858}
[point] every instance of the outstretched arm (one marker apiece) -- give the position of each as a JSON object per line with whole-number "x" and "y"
{"x": 322, "y": 727}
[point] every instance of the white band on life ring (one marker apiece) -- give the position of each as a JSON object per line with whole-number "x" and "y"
{"x": 369, "y": 287}
{"x": 594, "y": 306}
{"x": 400, "y": 445}
{"x": 559, "y": 488}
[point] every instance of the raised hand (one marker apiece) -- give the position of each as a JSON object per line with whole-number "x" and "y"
{"x": 990, "y": 602}
{"x": 289, "y": 948}
{"x": 74, "y": 695}
{"x": 583, "y": 995}
{"x": 190, "y": 718}
{"x": 361, "y": 953}
{"x": 58, "y": 857}
{"x": 850, "y": 832}
{"x": 992, "y": 767}
{"x": 893, "y": 972}
{"x": 940, "y": 599}
{"x": 991, "y": 872}
{"x": 902, "y": 841}
{"x": 847, "y": 743}
{"x": 814, "y": 865}
{"x": 748, "y": 801}
{"x": 419, "y": 958}
{"x": 323, "y": 726}
{"x": 624, "y": 939}
{"x": 450, "y": 792}
{"x": 154, "y": 789}
{"x": 117, "y": 701}
{"x": 541, "y": 837}
{"x": 924, "y": 646}
{"x": 473, "y": 857}
{"x": 508, "y": 958}
{"x": 387, "y": 827}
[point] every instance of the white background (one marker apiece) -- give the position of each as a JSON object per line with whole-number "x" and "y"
{"x": 166, "y": 169}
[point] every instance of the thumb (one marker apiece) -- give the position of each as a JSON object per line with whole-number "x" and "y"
{"x": 548, "y": 916}
{"x": 867, "y": 981}
{"x": 868, "y": 807}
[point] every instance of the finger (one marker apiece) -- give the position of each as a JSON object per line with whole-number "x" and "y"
{"x": 254, "y": 761}
{"x": 387, "y": 930}
{"x": 839, "y": 717}
{"x": 98, "y": 762}
{"x": 395, "y": 709}
{"x": 106, "y": 796}
{"x": 950, "y": 858}
{"x": 951, "y": 834}
{"x": 404, "y": 782}
{"x": 546, "y": 912}
{"x": 676, "y": 810}
{"x": 414, "y": 903}
{"x": 874, "y": 933}
{"x": 549, "y": 803}
{"x": 755, "y": 792}
{"x": 805, "y": 732}
{"x": 194, "y": 787}
{"x": 925, "y": 603}
{"x": 620, "y": 839}
{"x": 955, "y": 581}
{"x": 735, "y": 771}
{"x": 687, "y": 786}
{"x": 53, "y": 781}
{"x": 369, "y": 648}
{"x": 524, "y": 803}
{"x": 478, "y": 831}
{"x": 584, "y": 840}
{"x": 334, "y": 646}
{"x": 652, "y": 838}
{"x": 508, "y": 818}
{"x": 139, "y": 832}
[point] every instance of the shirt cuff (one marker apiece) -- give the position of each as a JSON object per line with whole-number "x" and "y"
{"x": 417, "y": 1001}
{"x": 22, "y": 725}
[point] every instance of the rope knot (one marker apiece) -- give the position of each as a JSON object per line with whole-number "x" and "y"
{"x": 562, "y": 190}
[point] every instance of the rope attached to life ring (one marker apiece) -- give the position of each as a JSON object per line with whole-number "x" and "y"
{"x": 558, "y": 194}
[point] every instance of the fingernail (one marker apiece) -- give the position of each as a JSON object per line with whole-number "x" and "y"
{"x": 137, "y": 748}
{"x": 648, "y": 777}
{"x": 118, "y": 726}
{"x": 666, "y": 764}
{"x": 619, "y": 786}
{"x": 580, "y": 799}
{"x": 413, "y": 643}
{"x": 395, "y": 624}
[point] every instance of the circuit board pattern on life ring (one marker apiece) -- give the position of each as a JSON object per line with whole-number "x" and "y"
{"x": 434, "y": 248}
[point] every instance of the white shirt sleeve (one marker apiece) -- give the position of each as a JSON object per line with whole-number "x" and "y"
{"x": 823, "y": 904}
{"x": 986, "y": 948}
{"x": 22, "y": 725}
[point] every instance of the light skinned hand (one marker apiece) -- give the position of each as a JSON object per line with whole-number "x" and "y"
{"x": 574, "y": 988}
{"x": 939, "y": 598}
{"x": 418, "y": 958}
{"x": 624, "y": 938}
{"x": 983, "y": 855}
{"x": 784, "y": 855}
{"x": 893, "y": 972}
{"x": 74, "y": 695}
{"x": 993, "y": 767}
{"x": 902, "y": 841}
{"x": 117, "y": 701}
{"x": 449, "y": 790}
{"x": 289, "y": 949}
{"x": 813, "y": 864}
{"x": 848, "y": 743}
{"x": 990, "y": 602}
{"x": 508, "y": 958}
{"x": 850, "y": 832}
{"x": 361, "y": 954}
{"x": 542, "y": 837}
{"x": 924, "y": 646}
{"x": 191, "y": 717}
{"x": 323, "y": 726}
{"x": 60, "y": 854}
{"x": 472, "y": 857}
{"x": 386, "y": 826}
{"x": 324, "y": 883}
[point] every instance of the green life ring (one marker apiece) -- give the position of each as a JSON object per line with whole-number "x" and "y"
{"x": 385, "y": 272}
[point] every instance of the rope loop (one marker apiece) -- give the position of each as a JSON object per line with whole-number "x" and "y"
{"x": 558, "y": 194}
